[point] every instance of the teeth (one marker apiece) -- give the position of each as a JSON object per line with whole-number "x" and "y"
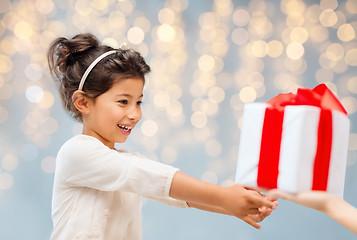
{"x": 125, "y": 128}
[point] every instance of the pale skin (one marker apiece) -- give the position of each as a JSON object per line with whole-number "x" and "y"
{"x": 333, "y": 206}
{"x": 111, "y": 117}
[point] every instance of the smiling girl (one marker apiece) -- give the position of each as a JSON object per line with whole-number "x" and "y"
{"x": 97, "y": 189}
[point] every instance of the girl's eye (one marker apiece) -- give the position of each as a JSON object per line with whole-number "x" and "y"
{"x": 139, "y": 103}
{"x": 123, "y": 102}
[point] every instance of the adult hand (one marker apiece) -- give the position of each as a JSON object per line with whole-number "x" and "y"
{"x": 313, "y": 199}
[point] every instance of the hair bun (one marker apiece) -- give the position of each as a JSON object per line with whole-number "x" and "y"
{"x": 68, "y": 51}
{"x": 80, "y": 43}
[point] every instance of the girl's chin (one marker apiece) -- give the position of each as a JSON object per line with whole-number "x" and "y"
{"x": 121, "y": 140}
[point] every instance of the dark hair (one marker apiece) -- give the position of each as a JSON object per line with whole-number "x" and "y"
{"x": 68, "y": 59}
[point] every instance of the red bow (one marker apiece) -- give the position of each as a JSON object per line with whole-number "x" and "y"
{"x": 320, "y": 97}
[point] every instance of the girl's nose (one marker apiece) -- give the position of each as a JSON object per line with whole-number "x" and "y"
{"x": 134, "y": 114}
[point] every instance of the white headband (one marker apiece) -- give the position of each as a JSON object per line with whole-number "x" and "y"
{"x": 92, "y": 65}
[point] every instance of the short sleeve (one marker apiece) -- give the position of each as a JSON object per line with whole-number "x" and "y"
{"x": 85, "y": 162}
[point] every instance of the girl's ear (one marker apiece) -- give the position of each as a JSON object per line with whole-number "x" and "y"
{"x": 81, "y": 101}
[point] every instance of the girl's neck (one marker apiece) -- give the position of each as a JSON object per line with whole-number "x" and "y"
{"x": 99, "y": 137}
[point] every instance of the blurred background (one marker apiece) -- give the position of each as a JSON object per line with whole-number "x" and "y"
{"x": 208, "y": 58}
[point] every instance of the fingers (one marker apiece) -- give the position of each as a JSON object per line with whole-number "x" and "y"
{"x": 260, "y": 216}
{"x": 312, "y": 199}
{"x": 275, "y": 203}
{"x": 251, "y": 222}
{"x": 275, "y": 194}
{"x": 253, "y": 211}
{"x": 258, "y": 201}
{"x": 256, "y": 217}
{"x": 271, "y": 197}
{"x": 265, "y": 211}
{"x": 261, "y": 201}
{"x": 262, "y": 212}
{"x": 255, "y": 206}
{"x": 260, "y": 207}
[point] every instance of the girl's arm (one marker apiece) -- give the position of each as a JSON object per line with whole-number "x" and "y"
{"x": 333, "y": 206}
{"x": 208, "y": 208}
{"x": 234, "y": 200}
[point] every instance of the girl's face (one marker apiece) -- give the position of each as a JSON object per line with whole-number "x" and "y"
{"x": 113, "y": 115}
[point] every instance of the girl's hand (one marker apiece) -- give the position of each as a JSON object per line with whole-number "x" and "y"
{"x": 264, "y": 211}
{"x": 248, "y": 205}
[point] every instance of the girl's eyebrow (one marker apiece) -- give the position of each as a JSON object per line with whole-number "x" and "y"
{"x": 127, "y": 95}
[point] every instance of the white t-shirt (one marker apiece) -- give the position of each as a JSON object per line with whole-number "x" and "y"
{"x": 97, "y": 191}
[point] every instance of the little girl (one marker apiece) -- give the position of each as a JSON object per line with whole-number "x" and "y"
{"x": 97, "y": 189}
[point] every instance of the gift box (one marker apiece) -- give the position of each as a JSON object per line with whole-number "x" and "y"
{"x": 295, "y": 142}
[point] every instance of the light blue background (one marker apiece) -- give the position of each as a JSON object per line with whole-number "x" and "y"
{"x": 25, "y": 208}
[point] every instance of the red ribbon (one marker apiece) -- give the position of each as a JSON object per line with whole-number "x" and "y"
{"x": 268, "y": 166}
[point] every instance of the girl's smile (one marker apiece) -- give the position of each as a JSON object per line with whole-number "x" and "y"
{"x": 126, "y": 130}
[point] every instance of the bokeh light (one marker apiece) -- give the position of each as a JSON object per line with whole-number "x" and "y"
{"x": 335, "y": 52}
{"x": 48, "y": 164}
{"x": 208, "y": 59}
{"x": 136, "y": 35}
{"x": 9, "y": 162}
{"x": 352, "y": 142}
{"x": 199, "y": 119}
{"x": 329, "y": 4}
{"x": 350, "y": 104}
{"x": 247, "y": 94}
{"x": 299, "y": 34}
{"x": 328, "y": 18}
{"x": 166, "y": 33}
{"x": 149, "y": 128}
{"x": 346, "y": 32}
{"x": 352, "y": 84}
{"x": 351, "y": 57}
{"x": 351, "y": 6}
{"x": 5, "y": 64}
{"x": 34, "y": 94}
{"x": 209, "y": 176}
{"x": 240, "y": 36}
{"x": 206, "y": 63}
{"x": 318, "y": 33}
{"x": 241, "y": 17}
{"x": 295, "y": 50}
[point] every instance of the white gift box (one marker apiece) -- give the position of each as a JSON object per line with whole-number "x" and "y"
{"x": 297, "y": 148}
